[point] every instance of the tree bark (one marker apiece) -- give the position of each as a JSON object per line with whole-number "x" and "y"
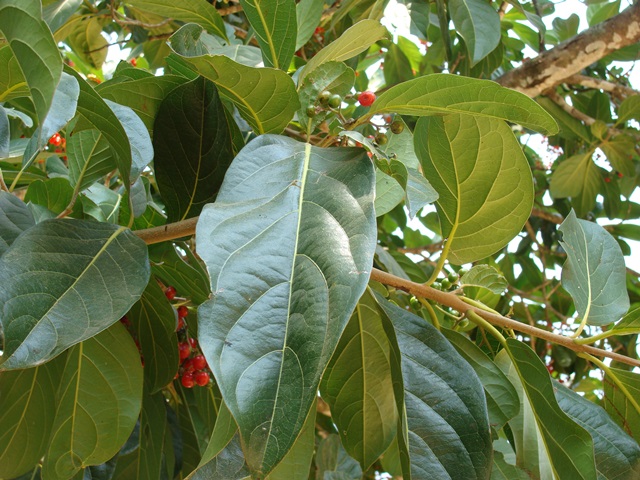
{"x": 568, "y": 58}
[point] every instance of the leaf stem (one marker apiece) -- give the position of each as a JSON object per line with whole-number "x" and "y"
{"x": 431, "y": 311}
{"x": 3, "y": 186}
{"x": 481, "y": 322}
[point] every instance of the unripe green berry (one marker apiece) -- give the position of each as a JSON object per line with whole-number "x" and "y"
{"x": 381, "y": 139}
{"x": 463, "y": 271}
{"x": 414, "y": 302}
{"x": 335, "y": 101}
{"x": 397, "y": 127}
{"x": 464, "y": 323}
{"x": 453, "y": 277}
{"x": 446, "y": 284}
{"x": 324, "y": 97}
{"x": 436, "y": 285}
{"x": 311, "y": 112}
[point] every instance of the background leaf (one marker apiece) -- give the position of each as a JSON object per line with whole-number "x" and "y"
{"x": 594, "y": 273}
{"x": 478, "y": 23}
{"x": 15, "y": 218}
{"x": 79, "y": 277}
{"x": 308, "y": 14}
{"x": 313, "y": 207}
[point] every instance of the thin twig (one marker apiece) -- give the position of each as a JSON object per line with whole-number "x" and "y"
{"x": 575, "y": 113}
{"x": 599, "y": 84}
{"x": 230, "y": 10}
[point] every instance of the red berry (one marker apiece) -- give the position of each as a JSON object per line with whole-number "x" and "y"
{"x": 170, "y": 292}
{"x": 201, "y": 378}
{"x": 134, "y": 62}
{"x": 184, "y": 350}
{"x": 180, "y": 324}
{"x": 199, "y": 362}
{"x": 55, "y": 139}
{"x": 182, "y": 311}
{"x": 187, "y": 366}
{"x": 193, "y": 342}
{"x": 367, "y": 98}
{"x": 187, "y": 380}
{"x": 319, "y": 31}
{"x": 619, "y": 175}
{"x": 607, "y": 179}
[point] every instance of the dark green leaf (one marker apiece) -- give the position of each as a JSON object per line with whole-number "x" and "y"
{"x": 624, "y": 409}
{"x": 12, "y": 82}
{"x": 478, "y": 23}
{"x": 193, "y": 147}
{"x": 333, "y": 461}
{"x": 71, "y": 279}
{"x": 5, "y": 134}
{"x": 90, "y": 158}
{"x": 307, "y": 213}
{"x": 53, "y": 194}
{"x": 505, "y": 471}
{"x": 15, "y": 218}
{"x": 397, "y": 67}
{"x": 57, "y": 13}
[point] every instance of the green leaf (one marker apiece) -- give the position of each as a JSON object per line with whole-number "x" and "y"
{"x": 333, "y": 461}
{"x": 87, "y": 42}
{"x": 101, "y": 203}
{"x": 190, "y": 163}
{"x": 99, "y": 401}
{"x": 353, "y": 41}
{"x": 22, "y": 26}
{"x": 570, "y": 127}
{"x": 89, "y": 158}
{"x": 627, "y": 230}
{"x": 389, "y": 193}
{"x": 71, "y": 279}
{"x": 143, "y": 96}
{"x": 188, "y": 11}
{"x": 594, "y": 273}
{"x": 357, "y": 385}
{"x": 95, "y": 113}
{"x": 12, "y": 82}
{"x": 503, "y": 402}
{"x": 261, "y": 107}
{"x": 629, "y": 109}
{"x": 505, "y": 471}
{"x": 57, "y": 13}
{"x": 397, "y": 66}
{"x": 153, "y": 426}
{"x": 154, "y": 322}
{"x": 484, "y": 276}
{"x": 617, "y": 454}
{"x": 568, "y": 445}
{"x": 618, "y": 405}
{"x": 446, "y": 412}
{"x": 308, "y": 15}
{"x": 27, "y": 409}
{"x": 478, "y": 23}
{"x": 275, "y": 28}
{"x": 440, "y": 94}
{"x": 618, "y": 151}
{"x": 5, "y": 134}
{"x": 629, "y": 324}
{"x": 15, "y": 218}
{"x": 53, "y": 194}
{"x": 307, "y": 213}
{"x": 483, "y": 180}
{"x": 572, "y": 176}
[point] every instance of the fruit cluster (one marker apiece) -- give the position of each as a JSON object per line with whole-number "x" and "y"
{"x": 59, "y": 143}
{"x": 449, "y": 281}
{"x": 193, "y": 366}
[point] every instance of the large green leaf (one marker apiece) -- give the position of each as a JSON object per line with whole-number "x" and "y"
{"x": 193, "y": 148}
{"x": 15, "y": 218}
{"x": 478, "y": 23}
{"x": 154, "y": 321}
{"x": 594, "y": 273}
{"x": 143, "y": 96}
{"x": 57, "y": 13}
{"x": 444, "y": 403}
{"x": 12, "y": 82}
{"x": 629, "y": 324}
{"x": 483, "y": 180}
{"x": 98, "y": 403}
{"x": 64, "y": 281}
{"x": 196, "y": 11}
{"x": 267, "y": 109}
{"x": 573, "y": 176}
{"x": 502, "y": 399}
{"x": 275, "y": 27}
{"x": 353, "y": 41}
{"x": 87, "y": 41}
{"x": 53, "y": 194}
{"x": 27, "y": 409}
{"x": 308, "y": 15}
{"x": 357, "y": 385}
{"x": 619, "y": 405}
{"x": 440, "y": 94}
{"x": 90, "y": 158}
{"x": 22, "y": 25}
{"x": 568, "y": 445}
{"x": 617, "y": 454}
{"x": 307, "y": 214}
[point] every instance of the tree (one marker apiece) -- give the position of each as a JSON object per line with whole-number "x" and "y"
{"x": 213, "y": 261}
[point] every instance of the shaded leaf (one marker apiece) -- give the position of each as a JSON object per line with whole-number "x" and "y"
{"x": 505, "y": 471}
{"x": 12, "y": 81}
{"x": 484, "y": 276}
{"x": 307, "y": 213}
{"x": 15, "y": 218}
{"x": 572, "y": 176}
{"x": 5, "y": 134}
{"x": 618, "y": 405}
{"x": 333, "y": 461}
{"x": 53, "y": 194}
{"x": 629, "y": 324}
{"x": 64, "y": 281}
{"x": 89, "y": 158}
{"x": 57, "y": 13}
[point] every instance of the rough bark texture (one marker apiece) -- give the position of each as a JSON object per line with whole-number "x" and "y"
{"x": 568, "y": 58}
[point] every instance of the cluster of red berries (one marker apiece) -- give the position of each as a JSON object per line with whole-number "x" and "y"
{"x": 127, "y": 323}
{"x": 607, "y": 179}
{"x": 193, "y": 366}
{"x": 59, "y": 143}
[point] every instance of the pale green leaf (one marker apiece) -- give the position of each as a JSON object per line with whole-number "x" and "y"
{"x": 484, "y": 276}
{"x": 483, "y": 180}
{"x": 307, "y": 213}
{"x": 478, "y": 23}
{"x": 594, "y": 273}
{"x": 64, "y": 281}
{"x": 571, "y": 176}
{"x": 389, "y": 193}
{"x": 619, "y": 152}
{"x": 629, "y": 324}
{"x": 440, "y": 94}
{"x": 87, "y": 42}
{"x": 333, "y": 461}
{"x": 629, "y": 109}
{"x": 308, "y": 14}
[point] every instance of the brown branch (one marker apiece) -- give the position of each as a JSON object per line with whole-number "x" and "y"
{"x": 453, "y": 301}
{"x": 171, "y": 231}
{"x": 229, "y": 10}
{"x": 549, "y": 217}
{"x": 569, "y": 58}
{"x": 599, "y": 84}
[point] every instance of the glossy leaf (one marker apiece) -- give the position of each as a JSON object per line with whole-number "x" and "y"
{"x": 27, "y": 409}
{"x": 478, "y": 24}
{"x": 569, "y": 446}
{"x": 15, "y": 218}
{"x": 617, "y": 454}
{"x": 307, "y": 213}
{"x": 98, "y": 403}
{"x": 154, "y": 322}
{"x": 503, "y": 402}
{"x": 440, "y": 94}
{"x": 196, "y": 11}
{"x": 620, "y": 406}
{"x": 484, "y": 276}
{"x": 483, "y": 180}
{"x": 263, "y": 107}
{"x": 193, "y": 147}
{"x": 594, "y": 273}
{"x": 353, "y": 41}
{"x": 64, "y": 281}
{"x": 89, "y": 158}
{"x": 446, "y": 412}
{"x": 275, "y": 27}
{"x": 22, "y": 26}
{"x": 357, "y": 385}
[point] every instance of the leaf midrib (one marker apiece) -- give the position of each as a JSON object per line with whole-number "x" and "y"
{"x": 263, "y": 20}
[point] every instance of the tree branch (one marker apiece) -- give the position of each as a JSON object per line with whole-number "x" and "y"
{"x": 599, "y": 84}
{"x": 569, "y": 58}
